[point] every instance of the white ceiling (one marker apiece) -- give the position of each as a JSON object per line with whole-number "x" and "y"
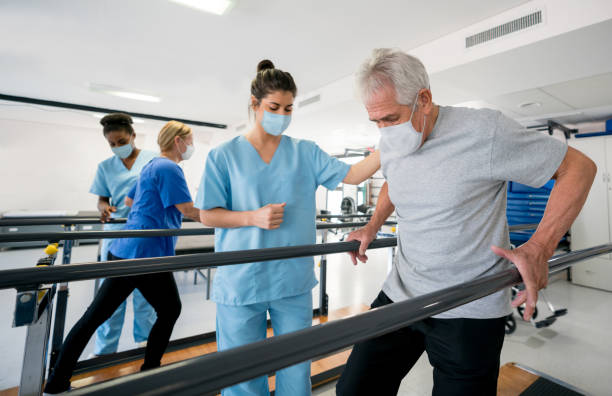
{"x": 570, "y": 75}
{"x": 201, "y": 64}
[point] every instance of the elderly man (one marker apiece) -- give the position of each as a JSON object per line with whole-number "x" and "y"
{"x": 447, "y": 170}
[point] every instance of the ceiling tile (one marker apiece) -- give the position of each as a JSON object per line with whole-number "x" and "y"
{"x": 584, "y": 93}
{"x": 547, "y": 104}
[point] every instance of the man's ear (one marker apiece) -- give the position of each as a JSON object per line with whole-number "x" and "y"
{"x": 425, "y": 101}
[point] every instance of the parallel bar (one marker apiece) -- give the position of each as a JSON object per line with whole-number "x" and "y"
{"x": 521, "y": 227}
{"x": 207, "y": 374}
{"x": 326, "y": 226}
{"x": 25, "y": 278}
{"x": 77, "y": 220}
{"x": 75, "y": 235}
{"x": 341, "y": 216}
{"x": 35, "y": 221}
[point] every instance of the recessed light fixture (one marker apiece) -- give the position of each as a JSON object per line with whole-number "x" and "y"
{"x": 122, "y": 93}
{"x": 217, "y": 7}
{"x": 528, "y": 105}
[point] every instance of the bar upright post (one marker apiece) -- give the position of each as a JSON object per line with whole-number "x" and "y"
{"x": 323, "y": 297}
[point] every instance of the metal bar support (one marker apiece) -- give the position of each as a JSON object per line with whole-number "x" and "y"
{"x": 35, "y": 355}
{"x": 323, "y": 297}
{"x": 61, "y": 306}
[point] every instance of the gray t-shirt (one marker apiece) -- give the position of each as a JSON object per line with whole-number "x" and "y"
{"x": 450, "y": 201}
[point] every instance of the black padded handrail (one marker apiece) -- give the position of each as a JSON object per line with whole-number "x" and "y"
{"x": 29, "y": 278}
{"x": 75, "y": 235}
{"x": 210, "y": 373}
{"x": 57, "y": 236}
{"x": 91, "y": 220}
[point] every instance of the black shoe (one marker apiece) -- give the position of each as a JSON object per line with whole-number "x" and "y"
{"x": 53, "y": 388}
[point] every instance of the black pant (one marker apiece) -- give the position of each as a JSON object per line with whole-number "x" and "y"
{"x": 464, "y": 354}
{"x": 158, "y": 289}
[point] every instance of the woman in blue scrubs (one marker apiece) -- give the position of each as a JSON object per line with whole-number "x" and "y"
{"x": 114, "y": 179}
{"x": 258, "y": 190}
{"x": 160, "y": 199}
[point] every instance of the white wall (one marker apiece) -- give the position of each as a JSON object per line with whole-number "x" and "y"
{"x": 50, "y": 166}
{"x": 48, "y": 160}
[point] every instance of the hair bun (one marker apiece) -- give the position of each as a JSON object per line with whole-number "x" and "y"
{"x": 116, "y": 119}
{"x": 265, "y": 65}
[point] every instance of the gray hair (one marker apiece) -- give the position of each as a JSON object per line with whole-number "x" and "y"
{"x": 388, "y": 66}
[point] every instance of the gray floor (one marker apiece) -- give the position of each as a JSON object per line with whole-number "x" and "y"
{"x": 576, "y": 349}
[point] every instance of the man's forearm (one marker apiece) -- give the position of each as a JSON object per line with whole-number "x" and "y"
{"x": 383, "y": 210}
{"x": 566, "y": 199}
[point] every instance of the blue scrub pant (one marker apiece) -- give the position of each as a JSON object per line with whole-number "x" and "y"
{"x": 107, "y": 335}
{"x": 239, "y": 325}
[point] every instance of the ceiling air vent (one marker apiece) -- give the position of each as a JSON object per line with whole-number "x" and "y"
{"x": 308, "y": 101}
{"x": 502, "y": 30}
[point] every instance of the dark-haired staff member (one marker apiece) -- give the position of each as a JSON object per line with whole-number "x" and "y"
{"x": 114, "y": 179}
{"x": 159, "y": 201}
{"x": 259, "y": 191}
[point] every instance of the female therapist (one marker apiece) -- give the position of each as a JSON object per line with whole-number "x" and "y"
{"x": 259, "y": 191}
{"x": 114, "y": 179}
{"x": 160, "y": 199}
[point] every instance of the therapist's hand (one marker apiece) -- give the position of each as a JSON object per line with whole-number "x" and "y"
{"x": 268, "y": 217}
{"x": 365, "y": 235}
{"x": 105, "y": 213}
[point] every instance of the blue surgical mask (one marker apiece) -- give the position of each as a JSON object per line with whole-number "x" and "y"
{"x": 402, "y": 138}
{"x": 275, "y": 124}
{"x": 123, "y": 151}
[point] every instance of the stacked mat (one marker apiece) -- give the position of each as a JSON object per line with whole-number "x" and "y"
{"x": 525, "y": 206}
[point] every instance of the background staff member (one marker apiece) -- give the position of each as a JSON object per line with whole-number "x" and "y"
{"x": 160, "y": 199}
{"x": 114, "y": 179}
{"x": 259, "y": 191}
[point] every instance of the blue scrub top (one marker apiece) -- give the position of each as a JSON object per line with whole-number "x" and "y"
{"x": 114, "y": 180}
{"x": 161, "y": 186}
{"x": 237, "y": 179}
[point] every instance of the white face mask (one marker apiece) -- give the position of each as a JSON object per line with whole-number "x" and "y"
{"x": 401, "y": 139}
{"x": 188, "y": 152}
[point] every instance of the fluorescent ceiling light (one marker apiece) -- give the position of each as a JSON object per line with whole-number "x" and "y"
{"x": 526, "y": 105}
{"x": 135, "y": 96}
{"x": 217, "y": 7}
{"x": 122, "y": 93}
